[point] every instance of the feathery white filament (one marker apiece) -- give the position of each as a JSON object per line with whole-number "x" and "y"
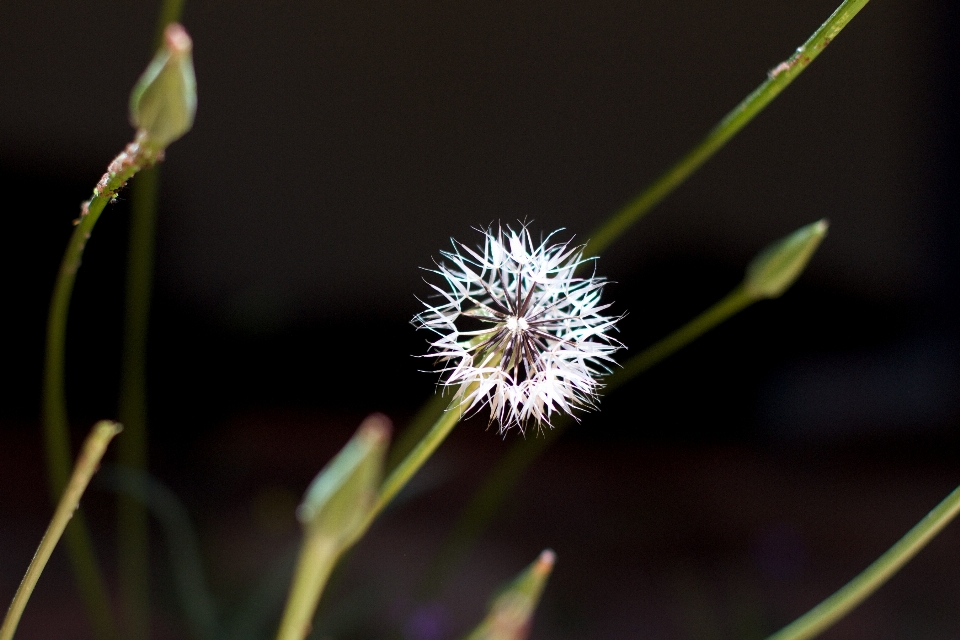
{"x": 517, "y": 330}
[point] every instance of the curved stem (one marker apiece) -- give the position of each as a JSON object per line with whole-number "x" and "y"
{"x": 182, "y": 546}
{"x": 87, "y": 463}
{"x": 873, "y": 577}
{"x": 777, "y": 80}
{"x": 56, "y": 431}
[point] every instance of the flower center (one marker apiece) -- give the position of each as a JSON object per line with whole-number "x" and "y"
{"x": 516, "y": 324}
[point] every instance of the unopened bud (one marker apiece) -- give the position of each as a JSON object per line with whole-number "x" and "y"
{"x": 778, "y": 266}
{"x": 340, "y": 497}
{"x": 511, "y": 611}
{"x": 164, "y": 101}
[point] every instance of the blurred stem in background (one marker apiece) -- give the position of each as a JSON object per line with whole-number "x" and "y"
{"x": 132, "y": 521}
{"x": 617, "y": 224}
{"x": 197, "y": 605}
{"x": 133, "y": 552}
{"x": 769, "y": 275}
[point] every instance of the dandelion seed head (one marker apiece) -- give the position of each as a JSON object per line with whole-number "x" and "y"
{"x": 517, "y": 330}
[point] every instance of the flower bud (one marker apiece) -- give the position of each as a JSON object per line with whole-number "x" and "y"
{"x": 775, "y": 268}
{"x": 511, "y": 611}
{"x": 164, "y": 101}
{"x": 339, "y": 498}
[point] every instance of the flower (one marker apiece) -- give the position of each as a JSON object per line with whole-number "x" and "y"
{"x": 518, "y": 330}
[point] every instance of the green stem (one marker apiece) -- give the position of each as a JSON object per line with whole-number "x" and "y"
{"x": 777, "y": 80}
{"x": 133, "y": 528}
{"x": 56, "y": 431}
{"x": 132, "y": 520}
{"x": 170, "y": 11}
{"x": 873, "y": 577}
{"x": 730, "y": 305}
{"x": 87, "y": 463}
{"x": 317, "y": 558}
{"x": 417, "y": 428}
{"x": 407, "y": 467}
{"x": 502, "y": 479}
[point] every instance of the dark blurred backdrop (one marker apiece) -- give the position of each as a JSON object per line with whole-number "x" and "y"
{"x": 337, "y": 148}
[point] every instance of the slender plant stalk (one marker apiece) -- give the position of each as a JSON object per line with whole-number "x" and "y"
{"x": 407, "y": 467}
{"x": 56, "y": 431}
{"x": 170, "y": 11}
{"x": 733, "y": 303}
{"x": 777, "y": 80}
{"x": 418, "y": 427}
{"x": 317, "y": 558}
{"x": 90, "y": 456}
{"x": 873, "y": 577}
{"x": 505, "y": 476}
{"x": 132, "y": 520}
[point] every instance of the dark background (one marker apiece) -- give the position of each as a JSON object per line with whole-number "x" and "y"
{"x": 339, "y": 145}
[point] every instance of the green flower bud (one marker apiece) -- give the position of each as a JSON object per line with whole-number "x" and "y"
{"x": 780, "y": 264}
{"x": 164, "y": 101}
{"x": 511, "y": 611}
{"x": 340, "y": 497}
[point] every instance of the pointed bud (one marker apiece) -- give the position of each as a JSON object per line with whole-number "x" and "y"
{"x": 778, "y": 266}
{"x": 164, "y": 101}
{"x": 511, "y": 611}
{"x": 339, "y": 498}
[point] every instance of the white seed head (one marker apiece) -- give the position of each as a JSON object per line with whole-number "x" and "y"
{"x": 517, "y": 330}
